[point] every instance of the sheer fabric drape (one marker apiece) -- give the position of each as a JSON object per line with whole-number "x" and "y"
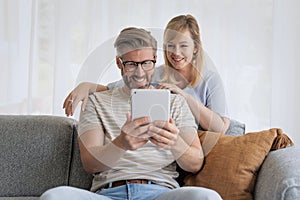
{"x": 254, "y": 45}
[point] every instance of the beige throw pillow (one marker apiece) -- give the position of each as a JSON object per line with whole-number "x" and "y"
{"x": 232, "y": 162}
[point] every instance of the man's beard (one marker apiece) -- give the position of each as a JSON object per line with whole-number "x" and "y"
{"x": 129, "y": 85}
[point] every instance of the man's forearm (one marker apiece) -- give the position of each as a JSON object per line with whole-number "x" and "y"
{"x": 100, "y": 158}
{"x": 188, "y": 156}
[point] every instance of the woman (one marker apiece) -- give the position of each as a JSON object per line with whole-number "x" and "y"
{"x": 185, "y": 72}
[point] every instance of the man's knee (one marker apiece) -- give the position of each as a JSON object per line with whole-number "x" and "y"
{"x": 56, "y": 193}
{"x": 202, "y": 193}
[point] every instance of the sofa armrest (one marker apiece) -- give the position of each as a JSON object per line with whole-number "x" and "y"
{"x": 279, "y": 176}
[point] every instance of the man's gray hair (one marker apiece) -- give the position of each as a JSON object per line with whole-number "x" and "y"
{"x": 132, "y": 38}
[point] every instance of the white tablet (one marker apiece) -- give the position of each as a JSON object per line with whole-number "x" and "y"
{"x": 150, "y": 102}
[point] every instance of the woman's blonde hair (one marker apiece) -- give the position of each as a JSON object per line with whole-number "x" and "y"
{"x": 180, "y": 24}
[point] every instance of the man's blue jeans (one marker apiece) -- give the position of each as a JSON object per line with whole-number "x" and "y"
{"x": 132, "y": 192}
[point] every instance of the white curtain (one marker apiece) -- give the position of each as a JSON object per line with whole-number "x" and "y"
{"x": 46, "y": 47}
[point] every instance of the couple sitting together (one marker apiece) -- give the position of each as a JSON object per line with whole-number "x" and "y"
{"x": 137, "y": 159}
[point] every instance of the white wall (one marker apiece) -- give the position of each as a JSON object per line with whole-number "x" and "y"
{"x": 286, "y": 68}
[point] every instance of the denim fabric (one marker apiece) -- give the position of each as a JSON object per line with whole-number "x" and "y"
{"x": 132, "y": 192}
{"x": 135, "y": 192}
{"x": 67, "y": 192}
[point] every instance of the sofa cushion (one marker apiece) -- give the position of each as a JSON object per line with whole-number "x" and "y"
{"x": 279, "y": 176}
{"x": 236, "y": 128}
{"x": 19, "y": 198}
{"x": 35, "y": 153}
{"x": 232, "y": 162}
{"x": 78, "y": 177}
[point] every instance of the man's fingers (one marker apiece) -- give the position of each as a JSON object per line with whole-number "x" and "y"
{"x": 137, "y": 127}
{"x": 166, "y": 125}
{"x": 141, "y": 121}
{"x": 159, "y": 133}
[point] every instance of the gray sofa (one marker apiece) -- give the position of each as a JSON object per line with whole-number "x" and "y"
{"x": 41, "y": 152}
{"x": 38, "y": 153}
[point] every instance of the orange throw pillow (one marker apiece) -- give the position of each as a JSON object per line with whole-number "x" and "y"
{"x": 232, "y": 162}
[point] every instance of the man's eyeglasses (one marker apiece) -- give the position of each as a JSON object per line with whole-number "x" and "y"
{"x": 132, "y": 66}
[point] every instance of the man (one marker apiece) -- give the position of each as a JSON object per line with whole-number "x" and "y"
{"x": 135, "y": 159}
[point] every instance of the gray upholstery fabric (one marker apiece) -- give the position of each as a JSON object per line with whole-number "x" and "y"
{"x": 236, "y": 128}
{"x": 40, "y": 152}
{"x": 279, "y": 176}
{"x": 19, "y": 198}
{"x": 36, "y": 154}
{"x": 78, "y": 177}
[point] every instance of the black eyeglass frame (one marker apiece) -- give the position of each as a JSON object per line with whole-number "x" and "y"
{"x": 136, "y": 64}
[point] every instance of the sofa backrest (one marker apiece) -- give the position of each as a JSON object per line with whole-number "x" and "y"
{"x": 38, "y": 153}
{"x": 78, "y": 177}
